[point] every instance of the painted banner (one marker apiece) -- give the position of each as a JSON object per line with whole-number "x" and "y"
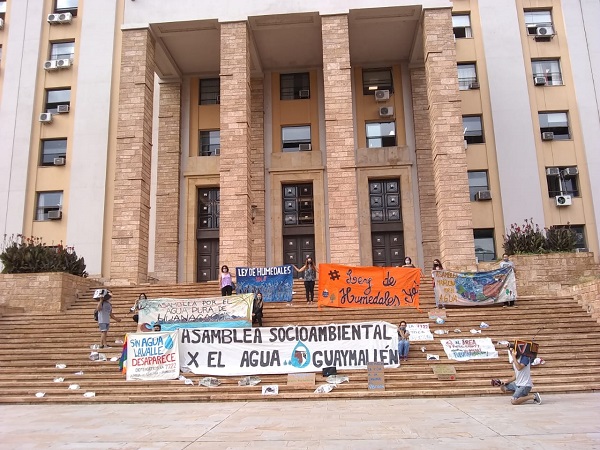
{"x": 274, "y": 283}
{"x": 419, "y": 332}
{"x": 290, "y": 349}
{"x": 368, "y": 287}
{"x": 152, "y": 356}
{"x": 465, "y": 349}
{"x": 174, "y": 313}
{"x": 475, "y": 288}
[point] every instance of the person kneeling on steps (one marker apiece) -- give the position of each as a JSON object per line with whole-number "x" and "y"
{"x": 520, "y": 385}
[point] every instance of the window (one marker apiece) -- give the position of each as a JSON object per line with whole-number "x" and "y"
{"x": 210, "y": 143}
{"x": 466, "y": 76}
{"x": 46, "y": 202}
{"x": 381, "y": 134}
{"x": 298, "y": 205}
{"x": 294, "y": 86}
{"x": 56, "y": 97}
{"x": 377, "y": 79}
{"x": 555, "y": 122}
{"x": 384, "y": 201}
{"x": 485, "y": 248}
{"x": 210, "y": 91}
{"x": 62, "y": 50}
{"x": 461, "y": 26}
{"x": 294, "y": 137}
{"x": 2, "y": 9}
{"x": 547, "y": 70}
{"x": 478, "y": 181}
{"x": 52, "y": 148}
{"x": 473, "y": 130}
{"x": 62, "y": 6}
{"x": 579, "y": 235}
{"x": 538, "y": 18}
{"x": 565, "y": 183}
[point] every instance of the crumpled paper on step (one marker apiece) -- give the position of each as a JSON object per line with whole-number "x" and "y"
{"x": 40, "y": 394}
{"x": 441, "y": 331}
{"x": 483, "y": 325}
{"x": 59, "y": 379}
{"x": 73, "y": 387}
{"x": 61, "y": 366}
{"x": 474, "y": 331}
{"x": 324, "y": 389}
{"x": 89, "y": 394}
{"x": 538, "y": 361}
{"x": 337, "y": 379}
{"x": 431, "y": 356}
{"x": 209, "y": 382}
{"x": 249, "y": 381}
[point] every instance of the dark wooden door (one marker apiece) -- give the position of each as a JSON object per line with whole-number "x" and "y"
{"x": 207, "y": 235}
{"x": 387, "y": 236}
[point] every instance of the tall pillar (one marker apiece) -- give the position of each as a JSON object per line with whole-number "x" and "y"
{"x": 131, "y": 210}
{"x": 455, "y": 223}
{"x": 166, "y": 255}
{"x": 235, "y": 216}
{"x": 257, "y": 174}
{"x": 344, "y": 244}
{"x": 427, "y": 202}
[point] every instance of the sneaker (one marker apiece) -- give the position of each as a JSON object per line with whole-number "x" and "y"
{"x": 537, "y": 399}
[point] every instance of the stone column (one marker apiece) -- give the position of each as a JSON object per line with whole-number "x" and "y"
{"x": 257, "y": 173}
{"x": 455, "y": 224}
{"x": 344, "y": 244}
{"x": 427, "y": 203}
{"x": 131, "y": 210}
{"x": 235, "y": 217}
{"x": 166, "y": 254}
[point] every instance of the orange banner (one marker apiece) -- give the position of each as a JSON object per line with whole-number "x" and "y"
{"x": 368, "y": 287}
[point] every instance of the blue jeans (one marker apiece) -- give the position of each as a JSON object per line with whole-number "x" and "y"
{"x": 403, "y": 348}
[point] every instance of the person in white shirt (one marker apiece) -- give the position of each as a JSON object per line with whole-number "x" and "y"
{"x": 503, "y": 264}
{"x": 520, "y": 385}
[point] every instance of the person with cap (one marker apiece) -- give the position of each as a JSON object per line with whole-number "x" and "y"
{"x": 105, "y": 313}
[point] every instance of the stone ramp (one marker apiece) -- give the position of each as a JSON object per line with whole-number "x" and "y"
{"x": 32, "y": 344}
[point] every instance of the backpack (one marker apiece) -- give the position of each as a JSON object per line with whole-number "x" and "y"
{"x": 96, "y": 315}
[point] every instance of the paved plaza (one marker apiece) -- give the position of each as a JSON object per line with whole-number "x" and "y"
{"x": 563, "y": 421}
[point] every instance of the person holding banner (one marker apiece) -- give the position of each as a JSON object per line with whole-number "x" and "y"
{"x": 520, "y": 385}
{"x": 408, "y": 263}
{"x": 403, "y": 342}
{"x": 310, "y": 275}
{"x": 135, "y": 309}
{"x": 225, "y": 282}
{"x": 257, "y": 309}
{"x": 503, "y": 264}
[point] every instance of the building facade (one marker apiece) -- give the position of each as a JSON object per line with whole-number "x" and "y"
{"x": 163, "y": 139}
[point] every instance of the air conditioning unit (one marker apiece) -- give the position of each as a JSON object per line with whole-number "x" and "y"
{"x": 563, "y": 200}
{"x": 386, "y": 111}
{"x": 65, "y": 17}
{"x": 544, "y": 32}
{"x": 547, "y": 136}
{"x": 474, "y": 85}
{"x": 483, "y": 195}
{"x": 55, "y": 214}
{"x": 50, "y": 65}
{"x": 305, "y": 147}
{"x": 382, "y": 95}
{"x": 63, "y": 63}
{"x": 46, "y": 117}
{"x": 61, "y": 109}
{"x": 1, "y": 23}
{"x": 217, "y": 151}
{"x": 53, "y": 18}
{"x": 539, "y": 81}
{"x": 60, "y": 161}
{"x": 304, "y": 93}
{"x": 571, "y": 171}
{"x": 552, "y": 171}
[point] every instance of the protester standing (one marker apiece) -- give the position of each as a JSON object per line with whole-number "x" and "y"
{"x": 105, "y": 313}
{"x": 257, "y": 309}
{"x": 403, "y": 341}
{"x": 310, "y": 275}
{"x": 135, "y": 309}
{"x": 504, "y": 264}
{"x": 225, "y": 281}
{"x": 408, "y": 263}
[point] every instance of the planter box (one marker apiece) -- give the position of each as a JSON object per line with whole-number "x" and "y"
{"x": 42, "y": 292}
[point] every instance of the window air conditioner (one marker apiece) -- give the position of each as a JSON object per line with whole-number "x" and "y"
{"x": 382, "y": 95}
{"x": 483, "y": 195}
{"x": 386, "y": 111}
{"x": 65, "y": 17}
{"x": 63, "y": 63}
{"x": 304, "y": 93}
{"x": 1, "y": 23}
{"x": 53, "y": 18}
{"x": 46, "y": 117}
{"x": 60, "y": 161}
{"x": 544, "y": 32}
{"x": 60, "y": 109}
{"x": 571, "y": 171}
{"x": 547, "y": 136}
{"x": 55, "y": 214}
{"x": 552, "y": 171}
{"x": 50, "y": 65}
{"x": 305, "y": 147}
{"x": 563, "y": 200}
{"x": 474, "y": 85}
{"x": 539, "y": 81}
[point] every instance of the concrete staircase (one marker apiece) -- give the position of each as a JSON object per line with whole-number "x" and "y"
{"x": 31, "y": 344}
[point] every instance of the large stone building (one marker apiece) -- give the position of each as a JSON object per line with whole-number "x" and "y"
{"x": 164, "y": 138}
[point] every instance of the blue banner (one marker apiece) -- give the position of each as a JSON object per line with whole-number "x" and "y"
{"x": 474, "y": 288}
{"x": 274, "y": 283}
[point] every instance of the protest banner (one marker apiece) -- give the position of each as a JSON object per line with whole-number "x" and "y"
{"x": 376, "y": 376}
{"x": 368, "y": 287}
{"x": 274, "y": 283}
{"x": 475, "y": 288}
{"x": 174, "y": 313}
{"x": 289, "y": 349}
{"x": 465, "y": 349}
{"x": 152, "y": 356}
{"x": 419, "y": 332}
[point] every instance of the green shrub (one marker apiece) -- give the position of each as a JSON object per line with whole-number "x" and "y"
{"x": 22, "y": 254}
{"x": 561, "y": 239}
{"x": 528, "y": 238}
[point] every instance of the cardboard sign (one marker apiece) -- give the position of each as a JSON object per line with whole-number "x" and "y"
{"x": 376, "y": 376}
{"x": 301, "y": 379}
{"x": 529, "y": 349}
{"x": 437, "y": 313}
{"x": 444, "y": 372}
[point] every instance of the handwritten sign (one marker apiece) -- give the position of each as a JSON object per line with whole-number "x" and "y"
{"x": 376, "y": 376}
{"x": 152, "y": 356}
{"x": 474, "y": 288}
{"x": 419, "y": 332}
{"x": 368, "y": 287}
{"x": 465, "y": 349}
{"x": 444, "y": 372}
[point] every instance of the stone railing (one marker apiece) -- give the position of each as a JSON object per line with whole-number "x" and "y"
{"x": 50, "y": 291}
